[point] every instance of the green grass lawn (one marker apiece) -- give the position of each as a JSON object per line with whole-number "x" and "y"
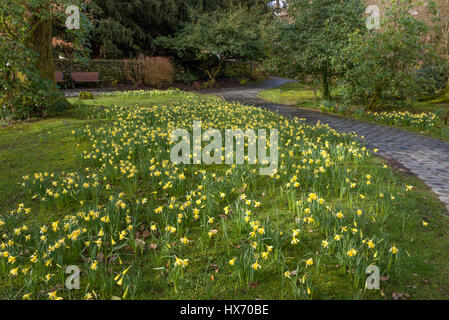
{"x": 134, "y": 99}
{"x": 165, "y": 231}
{"x": 290, "y": 93}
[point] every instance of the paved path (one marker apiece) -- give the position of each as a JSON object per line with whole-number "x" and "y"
{"x": 426, "y": 157}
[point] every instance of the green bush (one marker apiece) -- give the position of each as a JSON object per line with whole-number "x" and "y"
{"x": 236, "y": 69}
{"x": 83, "y": 95}
{"x": 432, "y": 77}
{"x": 328, "y": 106}
{"x": 359, "y": 113}
{"x": 443, "y": 96}
{"x": 30, "y": 97}
{"x": 186, "y": 76}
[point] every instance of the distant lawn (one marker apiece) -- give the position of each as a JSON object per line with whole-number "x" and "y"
{"x": 290, "y": 93}
{"x": 130, "y": 100}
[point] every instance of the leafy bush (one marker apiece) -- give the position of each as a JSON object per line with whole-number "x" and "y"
{"x": 236, "y": 69}
{"x": 432, "y": 77}
{"x": 85, "y": 95}
{"x": 28, "y": 95}
{"x": 359, "y": 113}
{"x": 186, "y": 76}
{"x": 243, "y": 81}
{"x": 384, "y": 62}
{"x": 328, "y": 106}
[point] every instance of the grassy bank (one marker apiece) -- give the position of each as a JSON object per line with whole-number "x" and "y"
{"x": 425, "y": 117}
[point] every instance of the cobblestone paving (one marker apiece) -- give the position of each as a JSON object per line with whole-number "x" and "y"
{"x": 426, "y": 157}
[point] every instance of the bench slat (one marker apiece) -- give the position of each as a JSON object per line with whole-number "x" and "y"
{"x": 59, "y": 76}
{"x": 85, "y": 76}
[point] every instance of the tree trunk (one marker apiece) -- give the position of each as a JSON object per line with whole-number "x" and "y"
{"x": 40, "y": 42}
{"x": 374, "y": 99}
{"x": 325, "y": 83}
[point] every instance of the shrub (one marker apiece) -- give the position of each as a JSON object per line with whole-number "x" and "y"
{"x": 359, "y": 113}
{"x": 134, "y": 70}
{"x": 385, "y": 62}
{"x": 432, "y": 77}
{"x": 236, "y": 69}
{"x": 186, "y": 76}
{"x": 85, "y": 95}
{"x": 153, "y": 71}
{"x": 158, "y": 71}
{"x": 328, "y": 106}
{"x": 29, "y": 96}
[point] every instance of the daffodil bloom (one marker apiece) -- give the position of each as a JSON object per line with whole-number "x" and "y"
{"x": 309, "y": 262}
{"x": 394, "y": 250}
{"x": 256, "y": 265}
{"x": 26, "y": 296}
{"x": 14, "y": 272}
{"x": 232, "y": 261}
{"x": 324, "y": 243}
{"x": 180, "y": 262}
{"x": 53, "y": 296}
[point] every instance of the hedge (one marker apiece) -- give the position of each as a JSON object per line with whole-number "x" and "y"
{"x": 111, "y": 71}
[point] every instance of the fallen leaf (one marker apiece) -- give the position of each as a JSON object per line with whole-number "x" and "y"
{"x": 100, "y": 257}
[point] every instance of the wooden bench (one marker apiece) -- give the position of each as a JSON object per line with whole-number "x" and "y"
{"x": 85, "y": 77}
{"x": 59, "y": 77}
